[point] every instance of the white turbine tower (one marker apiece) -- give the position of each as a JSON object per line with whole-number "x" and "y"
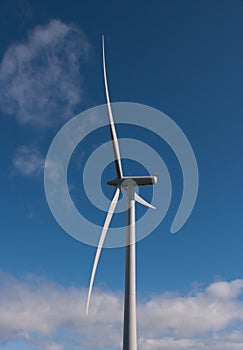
{"x": 128, "y": 183}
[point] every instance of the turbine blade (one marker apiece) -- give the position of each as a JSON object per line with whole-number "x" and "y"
{"x": 101, "y": 242}
{"x": 143, "y": 201}
{"x": 115, "y": 145}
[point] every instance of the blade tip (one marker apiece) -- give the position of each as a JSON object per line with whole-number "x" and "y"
{"x": 87, "y": 309}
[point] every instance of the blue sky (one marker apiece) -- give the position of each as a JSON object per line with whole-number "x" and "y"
{"x": 183, "y": 58}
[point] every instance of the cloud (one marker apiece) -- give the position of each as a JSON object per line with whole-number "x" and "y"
{"x": 51, "y": 316}
{"x": 40, "y": 79}
{"x": 193, "y": 315}
{"x": 223, "y": 290}
{"x": 28, "y": 161}
{"x": 54, "y": 346}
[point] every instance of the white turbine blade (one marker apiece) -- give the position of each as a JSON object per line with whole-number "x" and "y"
{"x": 101, "y": 242}
{"x": 142, "y": 201}
{"x": 115, "y": 145}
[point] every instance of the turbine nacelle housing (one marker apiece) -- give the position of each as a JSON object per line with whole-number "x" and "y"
{"x": 135, "y": 180}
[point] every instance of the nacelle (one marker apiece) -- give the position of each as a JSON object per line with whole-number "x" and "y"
{"x": 138, "y": 180}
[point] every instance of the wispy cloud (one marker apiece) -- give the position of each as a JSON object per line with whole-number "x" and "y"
{"x": 40, "y": 78}
{"x": 28, "y": 161}
{"x": 52, "y": 316}
{"x": 54, "y": 346}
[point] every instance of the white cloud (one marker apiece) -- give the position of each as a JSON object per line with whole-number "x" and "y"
{"x": 193, "y": 315}
{"x": 224, "y": 290}
{"x": 53, "y": 317}
{"x": 28, "y": 161}
{"x": 40, "y": 78}
{"x": 54, "y": 346}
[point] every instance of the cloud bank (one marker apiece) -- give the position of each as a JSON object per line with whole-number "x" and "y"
{"x": 42, "y": 313}
{"x": 40, "y": 79}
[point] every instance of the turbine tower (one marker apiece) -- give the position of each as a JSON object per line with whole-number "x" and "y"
{"x": 128, "y": 183}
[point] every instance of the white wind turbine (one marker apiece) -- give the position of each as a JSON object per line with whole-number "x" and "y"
{"x": 128, "y": 183}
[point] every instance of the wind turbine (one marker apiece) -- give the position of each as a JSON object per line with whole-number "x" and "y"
{"x": 128, "y": 183}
